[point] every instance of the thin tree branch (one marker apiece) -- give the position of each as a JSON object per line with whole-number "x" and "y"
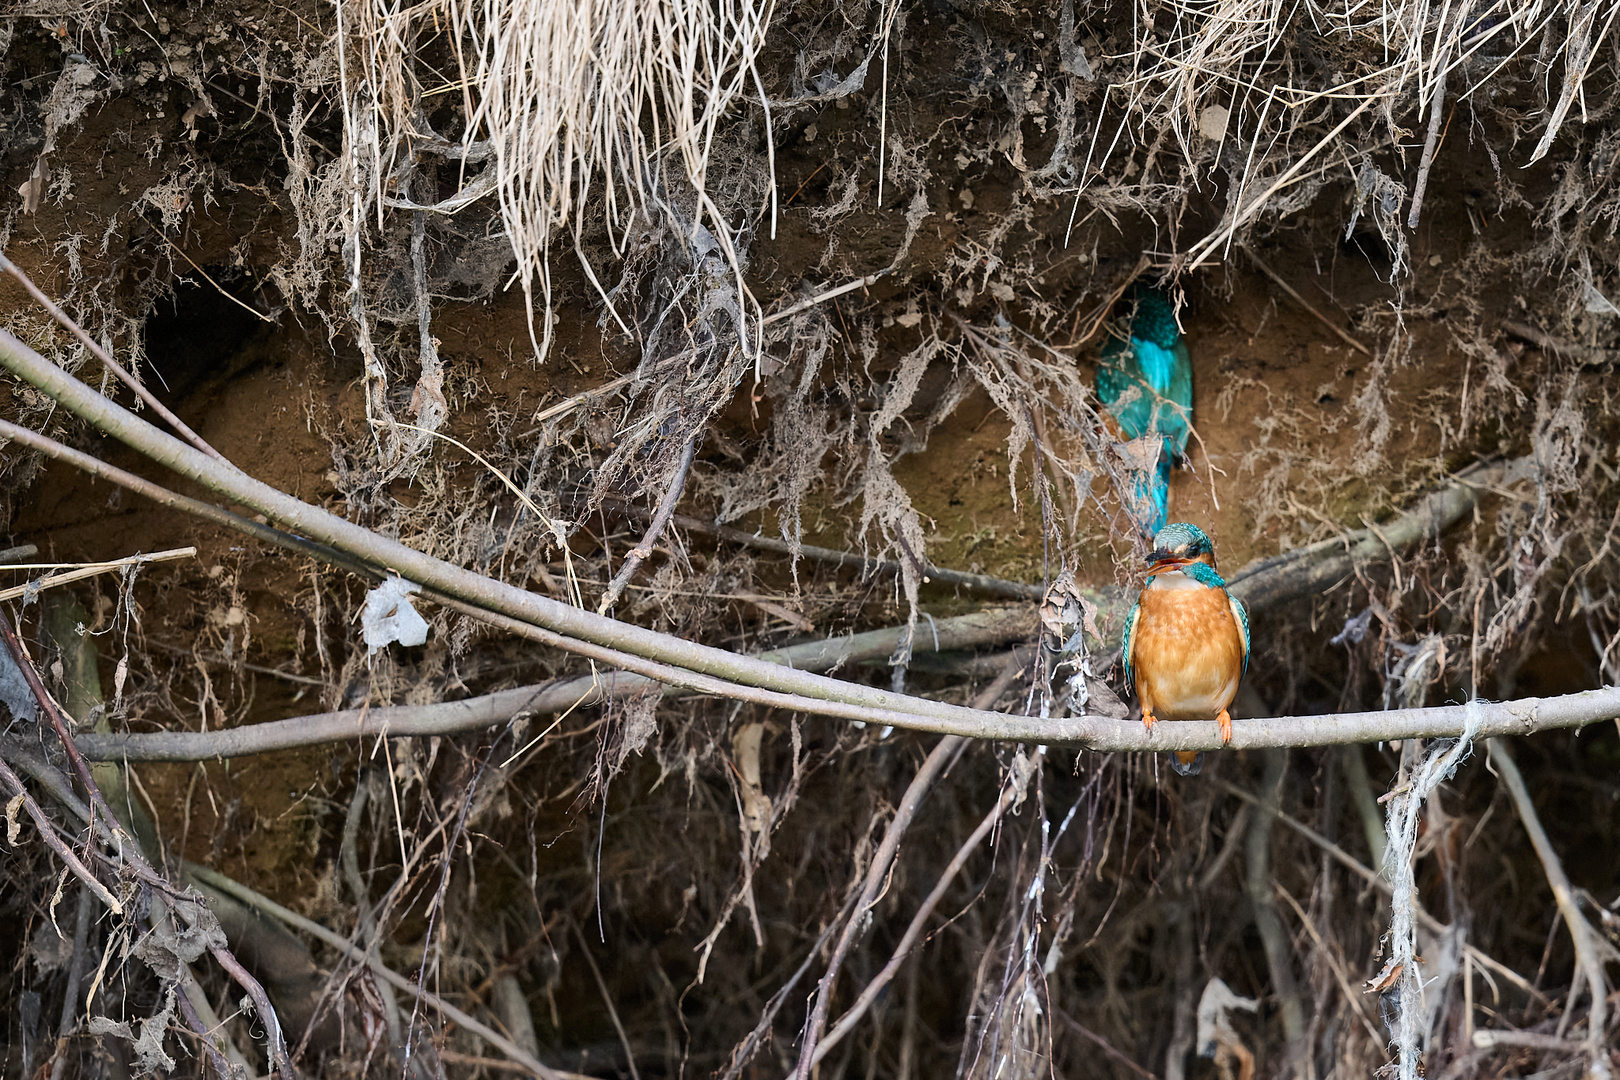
{"x": 991, "y": 586}
{"x": 75, "y": 975}
{"x": 939, "y": 760}
{"x": 1525, "y": 716}
{"x": 107, "y": 361}
{"x": 607, "y": 999}
{"x": 1354, "y": 1002}
{"x": 15, "y": 790}
{"x": 476, "y": 713}
{"x": 642, "y": 551}
{"x": 1588, "y": 946}
{"x": 1282, "y": 283}
{"x": 712, "y": 670}
{"x": 1102, "y": 1044}
{"x": 902, "y": 951}
{"x": 128, "y": 850}
{"x": 291, "y": 918}
{"x": 823, "y": 297}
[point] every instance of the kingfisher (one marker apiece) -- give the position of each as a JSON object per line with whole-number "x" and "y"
{"x": 1153, "y": 361}
{"x": 1186, "y": 644}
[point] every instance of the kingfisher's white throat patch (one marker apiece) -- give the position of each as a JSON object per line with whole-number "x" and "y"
{"x": 1175, "y": 579}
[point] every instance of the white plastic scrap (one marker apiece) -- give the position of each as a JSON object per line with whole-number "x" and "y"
{"x": 389, "y": 617}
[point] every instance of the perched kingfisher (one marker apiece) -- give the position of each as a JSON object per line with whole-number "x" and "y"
{"x": 1186, "y": 644}
{"x": 1153, "y": 361}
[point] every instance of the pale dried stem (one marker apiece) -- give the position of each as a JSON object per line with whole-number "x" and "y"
{"x": 51, "y": 581}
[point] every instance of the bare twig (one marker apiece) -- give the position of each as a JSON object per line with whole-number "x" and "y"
{"x": 655, "y": 529}
{"x": 745, "y": 1050}
{"x": 933, "y": 767}
{"x": 607, "y": 999}
{"x": 1354, "y": 1001}
{"x": 993, "y": 586}
{"x": 1585, "y": 354}
{"x": 1101, "y": 1044}
{"x": 164, "y": 497}
{"x": 568, "y": 405}
{"x": 471, "y": 714}
{"x": 919, "y": 921}
{"x": 939, "y": 760}
{"x": 1589, "y": 947}
{"x": 1282, "y": 284}
{"x": 251, "y": 310}
{"x": 297, "y": 922}
{"x": 47, "y": 832}
{"x": 75, "y": 974}
{"x": 107, "y": 361}
{"x": 129, "y": 851}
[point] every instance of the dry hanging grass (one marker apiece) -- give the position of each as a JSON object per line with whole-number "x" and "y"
{"x": 581, "y": 108}
{"x": 1228, "y": 81}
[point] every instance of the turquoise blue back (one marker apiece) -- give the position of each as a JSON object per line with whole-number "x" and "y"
{"x": 1155, "y": 362}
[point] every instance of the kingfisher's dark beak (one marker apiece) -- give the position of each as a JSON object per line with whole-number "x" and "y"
{"x": 1161, "y": 559}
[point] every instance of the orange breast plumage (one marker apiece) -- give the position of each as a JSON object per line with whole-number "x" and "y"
{"x": 1187, "y": 653}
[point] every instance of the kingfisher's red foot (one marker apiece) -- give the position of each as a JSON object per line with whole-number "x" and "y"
{"x": 1225, "y": 720}
{"x": 1148, "y": 719}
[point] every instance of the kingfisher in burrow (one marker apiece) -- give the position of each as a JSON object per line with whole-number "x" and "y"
{"x": 1186, "y": 644}
{"x": 1144, "y": 380}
